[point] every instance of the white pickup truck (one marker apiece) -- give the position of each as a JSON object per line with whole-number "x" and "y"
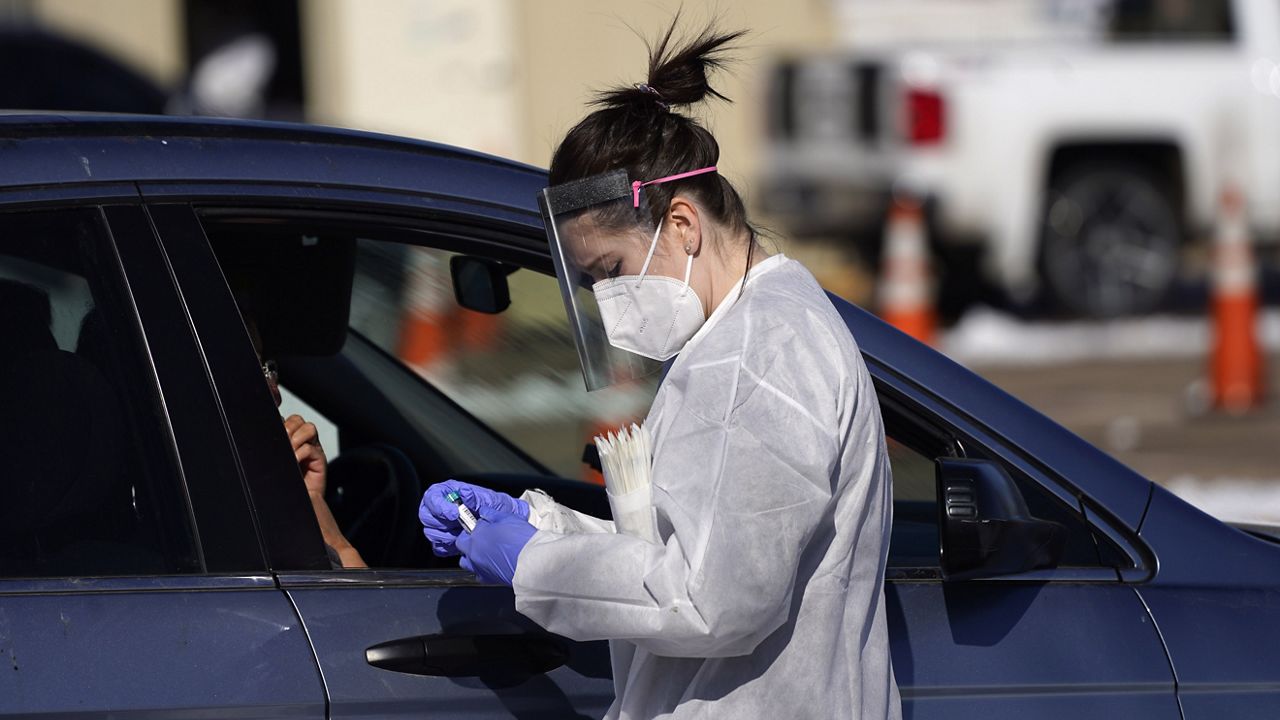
{"x": 1075, "y": 169}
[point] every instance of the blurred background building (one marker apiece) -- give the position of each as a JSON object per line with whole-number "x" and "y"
{"x": 1060, "y": 170}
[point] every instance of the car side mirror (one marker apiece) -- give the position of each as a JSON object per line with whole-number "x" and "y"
{"x": 480, "y": 284}
{"x": 984, "y": 526}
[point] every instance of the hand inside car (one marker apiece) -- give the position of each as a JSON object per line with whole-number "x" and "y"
{"x": 305, "y": 440}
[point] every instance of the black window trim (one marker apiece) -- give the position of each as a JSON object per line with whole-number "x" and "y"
{"x": 227, "y": 540}
{"x": 257, "y": 470}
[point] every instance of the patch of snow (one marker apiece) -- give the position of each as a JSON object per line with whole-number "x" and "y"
{"x": 1231, "y": 499}
{"x": 988, "y": 337}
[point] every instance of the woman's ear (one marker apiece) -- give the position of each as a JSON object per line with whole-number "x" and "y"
{"x": 686, "y": 224}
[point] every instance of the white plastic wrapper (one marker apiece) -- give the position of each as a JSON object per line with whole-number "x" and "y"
{"x": 633, "y": 513}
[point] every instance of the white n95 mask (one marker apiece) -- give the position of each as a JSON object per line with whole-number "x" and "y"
{"x": 649, "y": 315}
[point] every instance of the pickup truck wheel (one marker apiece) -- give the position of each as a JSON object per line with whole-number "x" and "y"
{"x": 1111, "y": 242}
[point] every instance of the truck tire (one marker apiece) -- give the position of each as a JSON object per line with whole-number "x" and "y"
{"x": 1111, "y": 241}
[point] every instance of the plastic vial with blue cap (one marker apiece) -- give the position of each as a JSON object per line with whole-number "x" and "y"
{"x": 465, "y": 516}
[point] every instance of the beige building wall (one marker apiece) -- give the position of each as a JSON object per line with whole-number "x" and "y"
{"x": 442, "y": 70}
{"x": 146, "y": 35}
{"x": 572, "y": 48}
{"x": 509, "y": 77}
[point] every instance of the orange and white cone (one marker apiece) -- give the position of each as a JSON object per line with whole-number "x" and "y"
{"x": 479, "y": 331}
{"x": 426, "y": 319}
{"x": 905, "y": 294}
{"x": 1236, "y": 364}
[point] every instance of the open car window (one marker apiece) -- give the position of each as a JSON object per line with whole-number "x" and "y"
{"x": 366, "y": 340}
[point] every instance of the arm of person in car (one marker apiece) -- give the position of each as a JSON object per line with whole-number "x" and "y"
{"x": 347, "y": 554}
{"x": 313, "y": 465}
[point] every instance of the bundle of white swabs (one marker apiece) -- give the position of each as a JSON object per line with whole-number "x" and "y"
{"x": 625, "y": 458}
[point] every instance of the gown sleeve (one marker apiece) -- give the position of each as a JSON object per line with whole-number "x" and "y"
{"x": 743, "y": 480}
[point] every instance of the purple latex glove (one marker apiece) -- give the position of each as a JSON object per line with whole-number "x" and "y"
{"x": 492, "y": 550}
{"x": 439, "y": 516}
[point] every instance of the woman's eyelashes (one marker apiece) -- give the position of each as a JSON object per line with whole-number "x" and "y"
{"x": 616, "y": 270}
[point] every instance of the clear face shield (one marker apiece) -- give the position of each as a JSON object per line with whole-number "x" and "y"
{"x": 602, "y": 242}
{"x": 586, "y": 252}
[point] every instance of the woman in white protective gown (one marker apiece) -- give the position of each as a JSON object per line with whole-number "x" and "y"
{"x": 759, "y": 590}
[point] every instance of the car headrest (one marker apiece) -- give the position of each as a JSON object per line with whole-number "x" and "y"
{"x": 61, "y": 439}
{"x": 296, "y": 286}
{"x": 24, "y": 319}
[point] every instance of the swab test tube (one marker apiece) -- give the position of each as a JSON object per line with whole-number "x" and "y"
{"x": 465, "y": 516}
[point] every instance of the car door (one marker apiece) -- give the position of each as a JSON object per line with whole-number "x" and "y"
{"x": 132, "y": 583}
{"x": 411, "y": 636}
{"x": 1068, "y": 642}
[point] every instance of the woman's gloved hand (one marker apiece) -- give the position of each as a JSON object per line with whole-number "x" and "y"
{"x": 439, "y": 516}
{"x": 492, "y": 550}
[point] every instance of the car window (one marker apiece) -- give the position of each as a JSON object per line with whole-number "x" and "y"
{"x": 517, "y": 371}
{"x": 914, "y": 542}
{"x": 89, "y": 484}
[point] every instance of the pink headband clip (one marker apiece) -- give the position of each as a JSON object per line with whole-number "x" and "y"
{"x": 635, "y": 186}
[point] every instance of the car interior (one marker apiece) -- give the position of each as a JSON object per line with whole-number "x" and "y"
{"x": 397, "y": 434}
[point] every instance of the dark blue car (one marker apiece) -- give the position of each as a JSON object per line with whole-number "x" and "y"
{"x": 160, "y": 557}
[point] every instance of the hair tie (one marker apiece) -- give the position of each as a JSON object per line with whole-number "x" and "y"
{"x": 657, "y": 96}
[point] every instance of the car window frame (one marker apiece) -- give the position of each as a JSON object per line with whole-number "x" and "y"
{"x": 973, "y": 440}
{"x": 290, "y": 536}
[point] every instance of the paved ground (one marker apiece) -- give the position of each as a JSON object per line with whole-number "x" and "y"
{"x": 1149, "y": 414}
{"x": 1134, "y": 388}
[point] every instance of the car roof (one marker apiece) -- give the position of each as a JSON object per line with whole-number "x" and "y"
{"x": 43, "y": 149}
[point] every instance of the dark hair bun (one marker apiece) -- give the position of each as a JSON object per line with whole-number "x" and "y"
{"x": 633, "y": 128}
{"x": 677, "y": 71}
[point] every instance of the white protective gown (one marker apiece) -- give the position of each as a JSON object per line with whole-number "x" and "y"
{"x": 771, "y": 487}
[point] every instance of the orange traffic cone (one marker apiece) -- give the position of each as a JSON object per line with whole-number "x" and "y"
{"x": 425, "y": 324}
{"x": 905, "y": 295}
{"x": 1236, "y": 365}
{"x": 479, "y": 331}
